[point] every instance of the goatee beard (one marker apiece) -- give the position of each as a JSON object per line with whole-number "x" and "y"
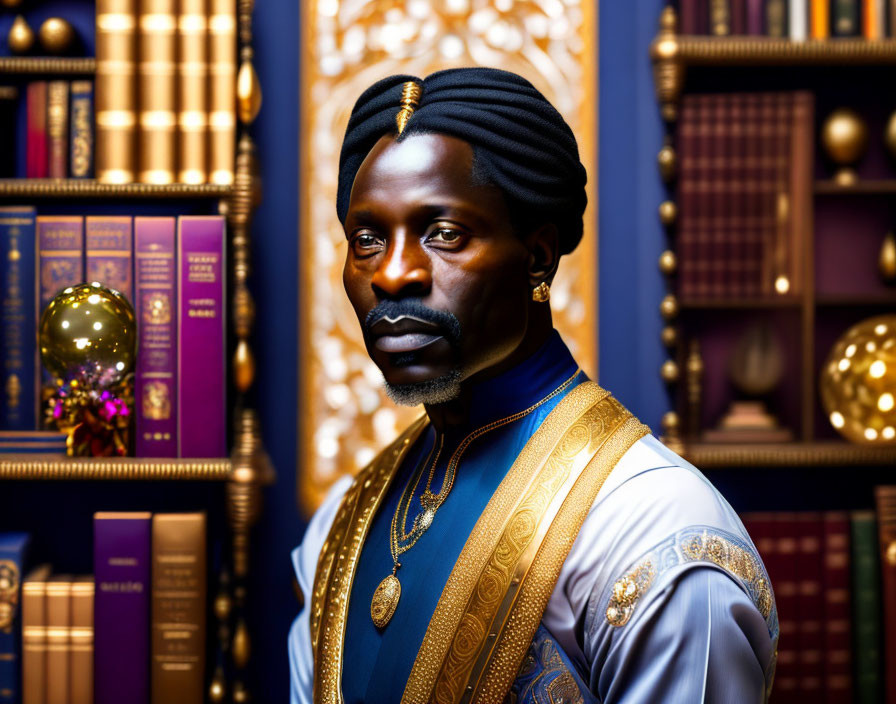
{"x": 430, "y": 392}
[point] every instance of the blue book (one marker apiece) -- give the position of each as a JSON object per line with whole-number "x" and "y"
{"x": 13, "y": 554}
{"x": 18, "y": 326}
{"x": 81, "y": 147}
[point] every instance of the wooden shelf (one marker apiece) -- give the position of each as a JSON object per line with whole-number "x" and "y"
{"x": 833, "y": 301}
{"x": 796, "y": 454}
{"x": 44, "y": 467}
{"x": 769, "y": 51}
{"x": 88, "y": 188}
{"x": 860, "y": 188}
{"x": 738, "y": 303}
{"x": 31, "y": 65}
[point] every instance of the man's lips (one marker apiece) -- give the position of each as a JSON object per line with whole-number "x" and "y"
{"x": 409, "y": 342}
{"x": 403, "y": 334}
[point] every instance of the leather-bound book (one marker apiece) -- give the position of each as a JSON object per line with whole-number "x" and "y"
{"x": 36, "y": 144}
{"x": 157, "y": 91}
{"x": 739, "y": 153}
{"x": 787, "y": 598}
{"x": 801, "y": 179}
{"x": 776, "y": 18}
{"x": 156, "y": 307}
{"x": 9, "y": 98}
{"x": 121, "y": 561}
{"x": 866, "y": 608}
{"x": 704, "y": 210}
{"x": 57, "y": 129}
{"x": 738, "y": 17}
{"x": 109, "y": 245}
{"x": 81, "y": 146}
{"x": 192, "y": 90}
{"x": 81, "y": 648}
{"x": 34, "y": 636}
{"x": 689, "y": 17}
{"x": 819, "y": 19}
{"x": 719, "y": 18}
{"x": 13, "y": 555}
{"x": 222, "y": 90}
{"x": 59, "y": 622}
{"x": 686, "y": 193}
{"x": 116, "y": 95}
{"x": 719, "y": 226}
{"x": 810, "y": 607}
{"x": 845, "y": 18}
{"x": 837, "y": 609}
{"x": 885, "y": 498}
{"x": 178, "y": 608}
{"x": 798, "y": 19}
{"x": 755, "y": 17}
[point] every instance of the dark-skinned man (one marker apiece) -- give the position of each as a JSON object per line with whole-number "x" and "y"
{"x": 527, "y": 537}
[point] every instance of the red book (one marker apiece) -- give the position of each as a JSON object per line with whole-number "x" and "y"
{"x": 738, "y": 16}
{"x": 719, "y": 182}
{"x": 36, "y": 146}
{"x": 784, "y": 578}
{"x": 705, "y": 210}
{"x": 686, "y": 149}
{"x": 801, "y": 169}
{"x": 810, "y": 607}
{"x": 837, "y": 612}
{"x": 885, "y": 497}
{"x": 738, "y": 196}
{"x": 689, "y": 13}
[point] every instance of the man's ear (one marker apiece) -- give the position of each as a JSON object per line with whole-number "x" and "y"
{"x": 544, "y": 253}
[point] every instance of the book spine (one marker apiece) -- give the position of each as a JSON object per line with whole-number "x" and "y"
{"x": 705, "y": 210}
{"x": 157, "y": 91}
{"x": 777, "y": 279}
{"x": 109, "y": 260}
{"x": 81, "y": 136}
{"x": 156, "y": 308}
{"x": 222, "y": 90}
{"x": 178, "y": 608}
{"x": 784, "y": 580}
{"x": 819, "y": 19}
{"x": 718, "y": 274}
{"x": 776, "y": 18}
{"x": 845, "y": 18}
{"x": 81, "y": 648}
{"x": 810, "y": 609}
{"x": 798, "y": 20}
{"x": 34, "y": 636}
{"x": 755, "y": 17}
{"x": 36, "y": 146}
{"x": 866, "y": 607}
{"x": 891, "y": 16}
{"x": 192, "y": 121}
{"x": 686, "y": 195}
{"x": 719, "y": 18}
{"x": 885, "y": 499}
{"x": 873, "y": 19}
{"x": 201, "y": 330}
{"x": 121, "y": 555}
{"x": 17, "y": 323}
{"x": 737, "y": 197}
{"x": 690, "y": 22}
{"x": 57, "y": 129}
{"x": 837, "y": 615}
{"x": 13, "y": 553}
{"x": 59, "y": 605}
{"x": 738, "y": 17}
{"x": 116, "y": 116}
{"x": 9, "y": 97}
{"x": 801, "y": 193}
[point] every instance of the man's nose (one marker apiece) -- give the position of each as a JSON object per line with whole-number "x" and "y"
{"x": 404, "y": 271}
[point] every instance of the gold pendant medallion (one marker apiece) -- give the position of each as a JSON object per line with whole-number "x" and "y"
{"x": 385, "y": 601}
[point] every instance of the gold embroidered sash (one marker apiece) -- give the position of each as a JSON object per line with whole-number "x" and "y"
{"x": 496, "y": 594}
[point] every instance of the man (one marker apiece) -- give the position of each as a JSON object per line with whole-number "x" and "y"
{"x": 526, "y": 538}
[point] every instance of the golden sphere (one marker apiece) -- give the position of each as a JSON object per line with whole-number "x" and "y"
{"x": 88, "y": 332}
{"x": 669, "y": 306}
{"x": 670, "y": 422}
{"x": 667, "y": 160}
{"x": 669, "y": 336}
{"x": 858, "y": 382}
{"x": 217, "y": 691}
{"x": 668, "y": 212}
{"x": 844, "y": 136}
{"x": 20, "y": 37}
{"x": 56, "y": 35}
{"x": 669, "y": 371}
{"x": 668, "y": 262}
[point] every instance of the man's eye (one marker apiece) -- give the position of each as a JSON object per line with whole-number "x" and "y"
{"x": 365, "y": 245}
{"x": 445, "y": 235}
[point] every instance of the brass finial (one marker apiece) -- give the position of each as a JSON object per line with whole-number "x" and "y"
{"x": 410, "y": 100}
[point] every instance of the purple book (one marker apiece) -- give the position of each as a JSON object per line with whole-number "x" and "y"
{"x": 756, "y": 17}
{"x": 201, "y": 334}
{"x": 156, "y": 309}
{"x": 121, "y": 563}
{"x": 109, "y": 245}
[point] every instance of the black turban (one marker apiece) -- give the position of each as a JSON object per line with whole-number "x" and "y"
{"x": 521, "y": 144}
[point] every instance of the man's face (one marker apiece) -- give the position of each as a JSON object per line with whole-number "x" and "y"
{"x": 434, "y": 271}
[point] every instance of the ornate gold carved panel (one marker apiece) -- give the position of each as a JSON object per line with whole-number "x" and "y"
{"x": 347, "y": 45}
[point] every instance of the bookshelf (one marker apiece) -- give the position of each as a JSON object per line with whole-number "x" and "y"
{"x": 247, "y": 470}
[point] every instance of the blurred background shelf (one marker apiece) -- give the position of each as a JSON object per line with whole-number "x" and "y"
{"x": 37, "y": 65}
{"x": 799, "y": 454}
{"x": 47, "y": 467}
{"x": 89, "y": 188}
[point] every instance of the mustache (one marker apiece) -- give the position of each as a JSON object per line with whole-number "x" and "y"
{"x": 447, "y": 323}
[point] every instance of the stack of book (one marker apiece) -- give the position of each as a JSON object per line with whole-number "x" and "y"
{"x": 134, "y": 632}
{"x": 59, "y": 137}
{"x": 172, "y": 270}
{"x": 795, "y": 19}
{"x": 744, "y": 193}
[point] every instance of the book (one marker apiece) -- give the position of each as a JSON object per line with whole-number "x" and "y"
{"x": 845, "y": 18}
{"x": 784, "y": 577}
{"x": 810, "y": 607}
{"x": 866, "y": 632}
{"x": 689, "y": 12}
{"x": 178, "y": 608}
{"x": 156, "y": 308}
{"x": 17, "y": 323}
{"x": 873, "y": 19}
{"x": 57, "y": 129}
{"x": 109, "y": 242}
{"x": 885, "y": 501}
{"x": 201, "y": 334}
{"x": 798, "y": 20}
{"x": 36, "y": 442}
{"x": 755, "y": 22}
{"x": 9, "y": 97}
{"x": 719, "y": 18}
{"x": 819, "y": 19}
{"x": 121, "y": 560}
{"x": 738, "y": 17}
{"x": 59, "y": 621}
{"x": 157, "y": 90}
{"x": 81, "y": 641}
{"x": 36, "y": 136}
{"x": 34, "y": 635}
{"x": 192, "y": 89}
{"x": 222, "y": 90}
{"x": 115, "y": 94}
{"x": 13, "y": 558}
{"x": 81, "y": 130}
{"x": 837, "y": 621}
{"x": 776, "y": 18}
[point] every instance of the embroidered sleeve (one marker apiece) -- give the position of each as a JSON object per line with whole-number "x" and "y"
{"x": 696, "y": 544}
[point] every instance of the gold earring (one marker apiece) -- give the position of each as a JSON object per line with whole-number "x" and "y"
{"x": 541, "y": 293}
